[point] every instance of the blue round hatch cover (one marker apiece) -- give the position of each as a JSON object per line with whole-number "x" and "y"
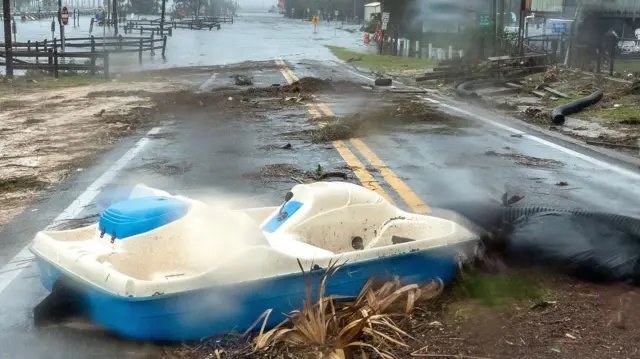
{"x": 140, "y": 215}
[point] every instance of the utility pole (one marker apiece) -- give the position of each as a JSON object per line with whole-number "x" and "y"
{"x": 523, "y": 9}
{"x": 115, "y": 17}
{"x": 6, "y": 6}
{"x": 164, "y": 5}
{"x": 60, "y": 24}
{"x": 500, "y": 29}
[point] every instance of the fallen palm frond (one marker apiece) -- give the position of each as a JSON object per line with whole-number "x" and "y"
{"x": 337, "y": 327}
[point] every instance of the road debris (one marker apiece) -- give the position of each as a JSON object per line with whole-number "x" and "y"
{"x": 242, "y": 80}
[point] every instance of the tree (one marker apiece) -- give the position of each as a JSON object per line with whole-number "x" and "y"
{"x": 144, "y": 6}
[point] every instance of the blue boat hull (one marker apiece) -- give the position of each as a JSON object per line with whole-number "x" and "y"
{"x": 208, "y": 311}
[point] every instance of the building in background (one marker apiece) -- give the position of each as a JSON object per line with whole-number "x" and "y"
{"x": 370, "y": 9}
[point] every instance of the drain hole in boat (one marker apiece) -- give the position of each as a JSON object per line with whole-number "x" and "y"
{"x": 399, "y": 240}
{"x": 357, "y": 243}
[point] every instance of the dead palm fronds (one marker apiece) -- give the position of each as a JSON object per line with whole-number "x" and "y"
{"x": 337, "y": 326}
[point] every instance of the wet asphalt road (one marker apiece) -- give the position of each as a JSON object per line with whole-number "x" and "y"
{"x": 220, "y": 159}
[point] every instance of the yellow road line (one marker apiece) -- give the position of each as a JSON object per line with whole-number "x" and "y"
{"x": 312, "y": 110}
{"x": 365, "y": 178}
{"x": 283, "y": 66}
{"x": 410, "y": 197}
{"x": 324, "y": 108}
{"x": 283, "y": 69}
{"x": 293, "y": 76}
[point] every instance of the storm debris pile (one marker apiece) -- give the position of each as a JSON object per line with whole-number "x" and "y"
{"x": 242, "y": 80}
{"x": 291, "y": 172}
{"x": 386, "y": 118}
{"x": 527, "y": 161}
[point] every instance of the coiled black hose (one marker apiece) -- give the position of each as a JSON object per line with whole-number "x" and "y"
{"x": 589, "y": 245}
{"x": 465, "y": 89}
{"x": 491, "y": 216}
{"x": 629, "y": 224}
{"x": 558, "y": 114}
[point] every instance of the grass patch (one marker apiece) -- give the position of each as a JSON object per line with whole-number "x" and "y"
{"x": 625, "y": 66}
{"x": 498, "y": 290}
{"x": 40, "y": 80}
{"x": 620, "y": 113}
{"x": 43, "y": 81}
{"x": 391, "y": 65}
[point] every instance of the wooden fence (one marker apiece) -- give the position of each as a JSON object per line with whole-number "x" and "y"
{"x": 95, "y": 49}
{"x": 153, "y": 26}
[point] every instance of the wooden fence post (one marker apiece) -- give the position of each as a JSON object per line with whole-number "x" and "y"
{"x": 612, "y": 59}
{"x": 55, "y": 63}
{"x": 164, "y": 45}
{"x": 106, "y": 65}
{"x": 93, "y": 55}
{"x": 50, "y": 57}
{"x": 140, "y": 53}
{"x": 37, "y": 51}
{"x": 151, "y": 42}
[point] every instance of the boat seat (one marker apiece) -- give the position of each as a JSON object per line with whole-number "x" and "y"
{"x": 286, "y": 243}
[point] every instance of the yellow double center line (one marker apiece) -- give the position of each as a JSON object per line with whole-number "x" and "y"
{"x": 366, "y": 179}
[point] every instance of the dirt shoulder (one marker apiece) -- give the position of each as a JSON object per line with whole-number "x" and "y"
{"x": 47, "y": 134}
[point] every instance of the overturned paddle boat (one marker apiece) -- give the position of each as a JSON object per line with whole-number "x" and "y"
{"x": 163, "y": 267}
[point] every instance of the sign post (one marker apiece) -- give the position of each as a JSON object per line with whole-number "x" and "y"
{"x": 559, "y": 28}
{"x": 484, "y": 20}
{"x": 385, "y": 24}
{"x": 64, "y": 17}
{"x": 385, "y": 20}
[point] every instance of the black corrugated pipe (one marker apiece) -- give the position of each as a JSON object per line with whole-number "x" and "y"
{"x": 558, "y": 113}
{"x": 465, "y": 89}
{"x": 590, "y": 245}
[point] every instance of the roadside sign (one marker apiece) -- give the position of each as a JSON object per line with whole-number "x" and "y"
{"x": 385, "y": 20}
{"x": 337, "y": 12}
{"x": 484, "y": 21}
{"x": 315, "y": 20}
{"x": 65, "y": 16}
{"x": 559, "y": 28}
